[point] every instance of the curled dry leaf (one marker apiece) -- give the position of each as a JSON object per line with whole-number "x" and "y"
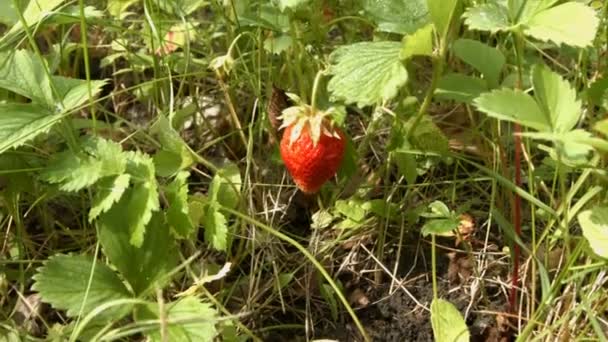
{"x": 460, "y": 268}
{"x": 466, "y": 228}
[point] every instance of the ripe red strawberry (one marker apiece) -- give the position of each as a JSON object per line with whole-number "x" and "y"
{"x": 311, "y": 147}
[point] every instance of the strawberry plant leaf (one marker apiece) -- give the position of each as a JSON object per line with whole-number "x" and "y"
{"x": 492, "y": 17}
{"x": 448, "y": 324}
{"x": 290, "y": 4}
{"x": 571, "y": 23}
{"x": 216, "y": 228}
{"x": 75, "y": 92}
{"x": 594, "y": 223}
{"x": 178, "y": 211}
{"x": 144, "y": 266}
{"x": 352, "y": 209}
{"x": 419, "y": 43}
{"x": 23, "y": 73}
{"x": 397, "y": 16}
{"x": 459, "y": 87}
{"x": 75, "y": 171}
{"x": 63, "y": 280}
{"x": 556, "y": 98}
{"x": 22, "y": 122}
{"x": 109, "y": 191}
{"x": 175, "y": 154}
{"x": 35, "y": 12}
{"x": 443, "y": 227}
{"x": 142, "y": 199}
{"x": 188, "y": 319}
{"x": 487, "y": 60}
{"x": 514, "y": 106}
{"x": 367, "y": 73}
{"x": 442, "y": 12}
{"x": 225, "y": 187}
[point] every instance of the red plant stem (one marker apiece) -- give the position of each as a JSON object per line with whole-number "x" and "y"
{"x": 516, "y": 219}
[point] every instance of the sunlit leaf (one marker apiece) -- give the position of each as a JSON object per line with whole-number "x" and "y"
{"x": 443, "y": 12}
{"x": 110, "y": 190}
{"x": 594, "y": 223}
{"x": 556, "y": 98}
{"x": 367, "y": 73}
{"x": 20, "y": 123}
{"x": 397, "y": 16}
{"x": 448, "y": 324}
{"x": 178, "y": 212}
{"x": 419, "y": 43}
{"x": 65, "y": 281}
{"x": 492, "y": 17}
{"x": 515, "y": 106}
{"x": 571, "y": 23}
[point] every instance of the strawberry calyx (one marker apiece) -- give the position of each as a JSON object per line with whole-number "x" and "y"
{"x": 303, "y": 116}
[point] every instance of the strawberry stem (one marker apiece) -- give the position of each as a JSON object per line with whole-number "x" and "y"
{"x": 315, "y": 88}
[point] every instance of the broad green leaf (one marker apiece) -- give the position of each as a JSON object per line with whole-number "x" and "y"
{"x": 291, "y": 4}
{"x": 76, "y": 92}
{"x": 397, "y": 16}
{"x": 23, "y": 73}
{"x": 225, "y": 187}
{"x": 353, "y": 209}
{"x": 382, "y": 208}
{"x": 175, "y": 154}
{"x": 187, "y": 319}
{"x": 556, "y": 98}
{"x": 574, "y": 145}
{"x": 492, "y": 17}
{"x": 109, "y": 191}
{"x": 8, "y": 12}
{"x": 278, "y": 45}
{"x": 143, "y": 266}
{"x": 63, "y": 281}
{"x": 178, "y": 212}
{"x": 367, "y": 73}
{"x": 20, "y": 122}
{"x": 321, "y": 219}
{"x": 443, "y": 12}
{"x": 117, "y": 7}
{"x": 407, "y": 166}
{"x": 419, "y": 43}
{"x": 142, "y": 199}
{"x": 216, "y": 229}
{"x": 487, "y": 60}
{"x": 571, "y": 23}
{"x": 515, "y": 106}
{"x": 448, "y": 324}
{"x": 459, "y": 87}
{"x": 35, "y": 11}
{"x": 594, "y": 223}
{"x": 443, "y": 227}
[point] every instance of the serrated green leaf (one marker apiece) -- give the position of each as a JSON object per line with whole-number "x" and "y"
{"x": 175, "y": 154}
{"x": 367, "y": 73}
{"x": 448, "y": 324}
{"x": 21, "y": 122}
{"x": 459, "y": 87}
{"x": 23, "y": 73}
{"x": 514, "y": 106}
{"x": 63, "y": 281}
{"x": 178, "y": 215}
{"x": 225, "y": 187}
{"x": 145, "y": 266}
{"x": 594, "y": 223}
{"x": 407, "y": 165}
{"x": 216, "y": 229}
{"x": 109, "y": 191}
{"x": 428, "y": 137}
{"x": 419, "y": 43}
{"x": 187, "y": 319}
{"x": 75, "y": 171}
{"x": 487, "y": 60}
{"x": 442, "y": 12}
{"x": 321, "y": 219}
{"x": 397, "y": 16}
{"x": 556, "y": 98}
{"x": 570, "y": 23}
{"x": 492, "y": 17}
